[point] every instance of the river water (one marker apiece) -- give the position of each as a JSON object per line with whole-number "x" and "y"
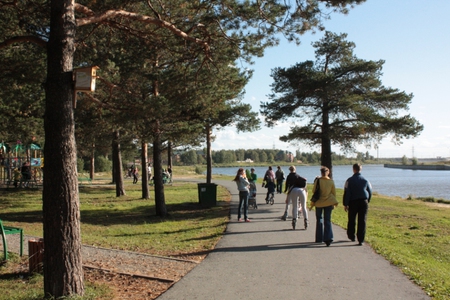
{"x": 385, "y": 181}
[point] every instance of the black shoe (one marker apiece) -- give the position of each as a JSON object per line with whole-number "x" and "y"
{"x": 294, "y": 222}
{"x": 352, "y": 240}
{"x": 306, "y": 224}
{"x": 360, "y": 243}
{"x": 328, "y": 243}
{"x": 283, "y": 218}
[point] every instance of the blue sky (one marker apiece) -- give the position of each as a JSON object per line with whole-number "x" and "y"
{"x": 412, "y": 36}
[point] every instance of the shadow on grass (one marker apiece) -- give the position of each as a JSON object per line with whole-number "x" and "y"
{"x": 146, "y": 214}
{"x": 127, "y": 210}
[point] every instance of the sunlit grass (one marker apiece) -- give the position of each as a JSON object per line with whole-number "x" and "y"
{"x": 412, "y": 234}
{"x": 127, "y": 222}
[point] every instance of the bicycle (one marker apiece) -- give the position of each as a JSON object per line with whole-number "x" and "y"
{"x": 271, "y": 199}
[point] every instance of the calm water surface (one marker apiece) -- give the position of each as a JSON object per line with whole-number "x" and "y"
{"x": 385, "y": 181}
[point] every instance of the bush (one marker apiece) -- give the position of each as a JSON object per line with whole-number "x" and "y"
{"x": 199, "y": 170}
{"x": 102, "y": 164}
{"x": 80, "y": 165}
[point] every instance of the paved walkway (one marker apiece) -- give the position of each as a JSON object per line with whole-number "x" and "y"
{"x": 266, "y": 259}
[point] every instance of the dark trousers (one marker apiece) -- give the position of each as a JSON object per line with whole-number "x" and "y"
{"x": 243, "y": 204}
{"x": 280, "y": 186}
{"x": 357, "y": 208}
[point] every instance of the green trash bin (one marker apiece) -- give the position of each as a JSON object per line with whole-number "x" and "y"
{"x": 207, "y": 194}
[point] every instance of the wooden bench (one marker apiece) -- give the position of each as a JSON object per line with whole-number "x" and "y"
{"x": 10, "y": 230}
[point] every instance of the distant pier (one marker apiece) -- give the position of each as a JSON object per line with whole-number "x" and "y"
{"x": 419, "y": 167}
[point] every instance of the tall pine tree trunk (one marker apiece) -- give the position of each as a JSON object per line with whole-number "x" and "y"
{"x": 326, "y": 141}
{"x": 169, "y": 155}
{"x": 144, "y": 181}
{"x": 63, "y": 270}
{"x": 208, "y": 154}
{"x": 117, "y": 165}
{"x": 92, "y": 163}
{"x": 160, "y": 202}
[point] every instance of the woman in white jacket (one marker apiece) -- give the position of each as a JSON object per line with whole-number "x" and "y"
{"x": 242, "y": 185}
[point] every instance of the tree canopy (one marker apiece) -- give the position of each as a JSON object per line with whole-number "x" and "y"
{"x": 200, "y": 30}
{"x": 338, "y": 99}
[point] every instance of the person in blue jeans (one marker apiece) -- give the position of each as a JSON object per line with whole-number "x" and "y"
{"x": 324, "y": 207}
{"x": 357, "y": 195}
{"x": 243, "y": 187}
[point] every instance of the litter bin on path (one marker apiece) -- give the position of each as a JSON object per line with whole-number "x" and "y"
{"x": 207, "y": 194}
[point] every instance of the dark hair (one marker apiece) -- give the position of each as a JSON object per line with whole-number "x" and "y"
{"x": 239, "y": 172}
{"x": 323, "y": 170}
{"x": 357, "y": 167}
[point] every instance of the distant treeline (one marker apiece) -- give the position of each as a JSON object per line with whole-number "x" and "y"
{"x": 193, "y": 157}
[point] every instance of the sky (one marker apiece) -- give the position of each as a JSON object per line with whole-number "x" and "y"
{"x": 411, "y": 36}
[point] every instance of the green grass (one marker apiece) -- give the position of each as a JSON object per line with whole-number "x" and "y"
{"x": 127, "y": 223}
{"x": 412, "y": 234}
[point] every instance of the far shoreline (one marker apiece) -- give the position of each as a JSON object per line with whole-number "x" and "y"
{"x": 419, "y": 167}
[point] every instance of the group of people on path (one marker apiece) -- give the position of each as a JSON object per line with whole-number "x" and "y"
{"x": 134, "y": 173}
{"x": 357, "y": 195}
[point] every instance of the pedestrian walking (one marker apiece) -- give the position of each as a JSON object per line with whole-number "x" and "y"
{"x": 269, "y": 183}
{"x": 135, "y": 175}
{"x": 324, "y": 206}
{"x": 243, "y": 188}
{"x": 357, "y": 195}
{"x": 149, "y": 172}
{"x": 279, "y": 176}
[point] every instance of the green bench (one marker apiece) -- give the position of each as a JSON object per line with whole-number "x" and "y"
{"x": 84, "y": 178}
{"x": 10, "y": 230}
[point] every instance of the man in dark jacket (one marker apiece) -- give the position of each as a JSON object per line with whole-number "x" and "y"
{"x": 357, "y": 194}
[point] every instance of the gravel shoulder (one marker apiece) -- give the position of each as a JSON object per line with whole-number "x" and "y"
{"x": 131, "y": 275}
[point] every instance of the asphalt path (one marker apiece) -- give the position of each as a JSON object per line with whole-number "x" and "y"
{"x": 267, "y": 259}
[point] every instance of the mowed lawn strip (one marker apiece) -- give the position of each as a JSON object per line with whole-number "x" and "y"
{"x": 412, "y": 234}
{"x": 126, "y": 223}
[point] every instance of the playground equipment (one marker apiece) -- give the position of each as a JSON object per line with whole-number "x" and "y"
{"x": 13, "y": 157}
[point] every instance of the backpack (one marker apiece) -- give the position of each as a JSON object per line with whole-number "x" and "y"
{"x": 299, "y": 181}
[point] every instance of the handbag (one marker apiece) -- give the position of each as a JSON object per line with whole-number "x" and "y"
{"x": 316, "y": 194}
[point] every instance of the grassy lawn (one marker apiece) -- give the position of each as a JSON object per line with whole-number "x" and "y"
{"x": 127, "y": 223}
{"x": 412, "y": 234}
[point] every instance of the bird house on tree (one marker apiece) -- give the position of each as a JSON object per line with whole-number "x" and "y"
{"x": 85, "y": 79}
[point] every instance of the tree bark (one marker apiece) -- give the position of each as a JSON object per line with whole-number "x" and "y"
{"x": 326, "y": 141}
{"x": 208, "y": 154}
{"x": 169, "y": 155}
{"x": 144, "y": 181}
{"x": 160, "y": 202}
{"x": 63, "y": 270}
{"x": 92, "y": 163}
{"x": 117, "y": 165}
